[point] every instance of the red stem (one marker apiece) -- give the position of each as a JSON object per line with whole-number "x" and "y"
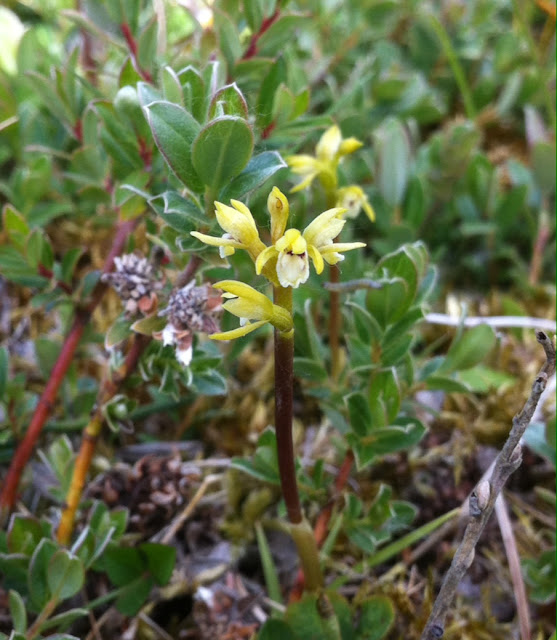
{"x": 48, "y": 397}
{"x": 284, "y": 384}
{"x": 47, "y": 273}
{"x": 251, "y": 51}
{"x": 132, "y": 46}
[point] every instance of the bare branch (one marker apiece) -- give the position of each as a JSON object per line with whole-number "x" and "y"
{"x": 482, "y": 499}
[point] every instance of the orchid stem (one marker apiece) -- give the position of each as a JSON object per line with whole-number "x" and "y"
{"x": 284, "y": 378}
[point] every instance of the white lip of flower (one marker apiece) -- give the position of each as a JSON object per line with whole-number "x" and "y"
{"x": 182, "y": 341}
{"x": 316, "y": 242}
{"x": 184, "y": 355}
{"x": 292, "y": 262}
{"x": 225, "y": 251}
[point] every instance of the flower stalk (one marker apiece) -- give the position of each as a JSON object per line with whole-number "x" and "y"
{"x": 329, "y": 153}
{"x": 286, "y": 265}
{"x": 300, "y": 529}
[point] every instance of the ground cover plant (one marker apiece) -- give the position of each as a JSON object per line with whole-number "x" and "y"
{"x": 277, "y": 290}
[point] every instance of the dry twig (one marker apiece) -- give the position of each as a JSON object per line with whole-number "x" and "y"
{"x": 482, "y": 500}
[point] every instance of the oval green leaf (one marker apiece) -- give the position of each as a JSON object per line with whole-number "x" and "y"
{"x": 174, "y": 130}
{"x": 221, "y": 150}
{"x": 65, "y": 575}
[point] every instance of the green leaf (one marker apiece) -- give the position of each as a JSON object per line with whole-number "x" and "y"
{"x": 281, "y": 31}
{"x": 274, "y": 78}
{"x": 388, "y": 303}
{"x": 392, "y": 152}
{"x": 35, "y": 246}
{"x": 414, "y": 208}
{"x": 228, "y": 101}
{"x": 69, "y": 263}
{"x": 17, "y": 611}
{"x": 172, "y": 88}
{"x": 361, "y": 421}
{"x": 229, "y": 39}
{"x": 304, "y": 619}
{"x": 15, "y": 226}
{"x": 65, "y": 575}
{"x": 123, "y": 564}
{"x": 193, "y": 90}
{"x": 24, "y": 534}
{"x": 174, "y": 130}
{"x": 376, "y": 618}
{"x": 543, "y": 166}
{"x": 149, "y": 325}
{"x": 160, "y": 560}
{"x": 147, "y": 94}
{"x": 147, "y": 44}
{"x": 309, "y": 369}
{"x": 133, "y": 596}
{"x": 180, "y": 213}
{"x": 209, "y": 382}
{"x": 259, "y": 169}
{"x": 37, "y": 578}
{"x": 275, "y": 630}
{"x": 254, "y": 12}
{"x": 221, "y": 150}
{"x": 404, "y": 434}
{"x": 14, "y": 268}
{"x": 482, "y": 379}
{"x": 384, "y": 397}
{"x": 442, "y": 383}
{"x": 469, "y": 349}
{"x": 13, "y": 567}
{"x": 117, "y": 332}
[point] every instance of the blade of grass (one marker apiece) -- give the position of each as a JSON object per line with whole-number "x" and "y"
{"x": 269, "y": 569}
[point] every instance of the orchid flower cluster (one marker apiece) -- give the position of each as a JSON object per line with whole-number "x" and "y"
{"x": 285, "y": 263}
{"x": 329, "y": 153}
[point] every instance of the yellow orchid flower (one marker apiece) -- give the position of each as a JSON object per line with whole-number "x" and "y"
{"x": 294, "y": 249}
{"x": 240, "y": 230}
{"x": 353, "y": 199}
{"x": 279, "y": 208}
{"x": 329, "y": 151}
{"x": 248, "y": 304}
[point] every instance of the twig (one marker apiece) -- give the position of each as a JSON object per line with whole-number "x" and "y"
{"x": 190, "y": 508}
{"x": 109, "y": 388}
{"x": 482, "y": 500}
{"x": 65, "y": 358}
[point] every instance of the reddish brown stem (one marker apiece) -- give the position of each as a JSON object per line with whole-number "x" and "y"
{"x": 284, "y": 383}
{"x": 268, "y": 130}
{"x": 78, "y": 130}
{"x": 47, "y": 273}
{"x": 251, "y": 51}
{"x": 132, "y": 46}
{"x": 48, "y": 397}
